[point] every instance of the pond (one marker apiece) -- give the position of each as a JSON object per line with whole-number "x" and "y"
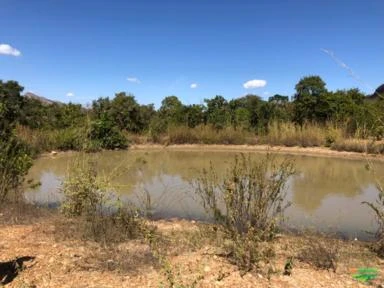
{"x": 326, "y": 193}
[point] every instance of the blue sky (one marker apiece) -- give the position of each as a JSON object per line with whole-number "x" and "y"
{"x": 154, "y": 48}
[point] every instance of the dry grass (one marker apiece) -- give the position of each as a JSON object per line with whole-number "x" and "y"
{"x": 359, "y": 145}
{"x": 206, "y": 134}
{"x": 309, "y": 135}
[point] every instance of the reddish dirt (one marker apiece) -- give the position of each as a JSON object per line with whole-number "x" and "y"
{"x": 77, "y": 263}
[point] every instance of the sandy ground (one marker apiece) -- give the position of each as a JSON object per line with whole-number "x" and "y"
{"x": 309, "y": 151}
{"x": 76, "y": 263}
{"x": 296, "y": 150}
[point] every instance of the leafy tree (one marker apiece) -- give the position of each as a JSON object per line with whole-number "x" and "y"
{"x": 218, "y": 113}
{"x": 104, "y": 134}
{"x": 171, "y": 110}
{"x": 15, "y": 157}
{"x": 310, "y": 100}
{"x": 194, "y": 115}
{"x": 10, "y": 106}
{"x": 278, "y": 108}
{"x": 125, "y": 112}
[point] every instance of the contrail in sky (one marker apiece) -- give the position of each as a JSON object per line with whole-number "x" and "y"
{"x": 346, "y": 67}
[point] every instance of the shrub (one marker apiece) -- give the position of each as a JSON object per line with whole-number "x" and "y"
{"x": 88, "y": 198}
{"x": 378, "y": 209}
{"x": 320, "y": 253}
{"x": 107, "y": 136}
{"x": 247, "y": 204}
{"x": 15, "y": 161}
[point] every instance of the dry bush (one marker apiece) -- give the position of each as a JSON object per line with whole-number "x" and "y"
{"x": 247, "y": 205}
{"x": 378, "y": 208}
{"x": 90, "y": 200}
{"x": 321, "y": 253}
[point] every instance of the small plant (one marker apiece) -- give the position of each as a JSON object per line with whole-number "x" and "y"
{"x": 288, "y": 267}
{"x": 247, "y": 205}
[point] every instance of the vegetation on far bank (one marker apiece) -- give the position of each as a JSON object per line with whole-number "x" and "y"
{"x": 314, "y": 116}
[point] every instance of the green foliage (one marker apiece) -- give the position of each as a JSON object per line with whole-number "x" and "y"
{"x": 309, "y": 98}
{"x": 15, "y": 161}
{"x": 247, "y": 204}
{"x": 105, "y": 135}
{"x": 10, "y": 107}
{"x": 348, "y": 111}
{"x": 218, "y": 112}
{"x": 15, "y": 155}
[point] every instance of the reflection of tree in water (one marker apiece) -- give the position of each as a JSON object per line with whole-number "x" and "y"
{"x": 322, "y": 177}
{"x": 318, "y": 177}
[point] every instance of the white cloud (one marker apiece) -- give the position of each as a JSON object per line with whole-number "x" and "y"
{"x": 254, "y": 84}
{"x": 194, "y": 85}
{"x": 70, "y": 94}
{"x": 6, "y": 49}
{"x": 133, "y": 80}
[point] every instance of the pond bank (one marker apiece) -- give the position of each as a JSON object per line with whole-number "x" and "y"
{"x": 296, "y": 150}
{"x": 69, "y": 262}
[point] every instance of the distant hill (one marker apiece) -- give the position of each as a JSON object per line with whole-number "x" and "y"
{"x": 41, "y": 99}
{"x": 379, "y": 93}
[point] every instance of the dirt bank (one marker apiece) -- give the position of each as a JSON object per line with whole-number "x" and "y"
{"x": 309, "y": 151}
{"x": 68, "y": 262}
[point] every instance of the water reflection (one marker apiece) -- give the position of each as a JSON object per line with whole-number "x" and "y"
{"x": 326, "y": 193}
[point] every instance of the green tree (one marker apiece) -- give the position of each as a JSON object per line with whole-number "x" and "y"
{"x": 125, "y": 112}
{"x": 171, "y": 111}
{"x": 194, "y": 115}
{"x": 15, "y": 157}
{"x": 310, "y": 100}
{"x": 10, "y": 106}
{"x": 218, "y": 112}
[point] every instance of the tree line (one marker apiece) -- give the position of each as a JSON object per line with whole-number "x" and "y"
{"x": 108, "y": 119}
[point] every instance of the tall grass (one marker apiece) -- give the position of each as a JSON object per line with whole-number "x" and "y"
{"x": 359, "y": 145}
{"x": 308, "y": 135}
{"x": 207, "y": 134}
{"x": 48, "y": 140}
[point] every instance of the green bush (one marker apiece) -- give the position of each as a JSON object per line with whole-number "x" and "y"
{"x": 106, "y": 135}
{"x": 15, "y": 161}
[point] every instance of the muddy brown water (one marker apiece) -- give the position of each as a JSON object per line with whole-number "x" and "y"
{"x": 326, "y": 193}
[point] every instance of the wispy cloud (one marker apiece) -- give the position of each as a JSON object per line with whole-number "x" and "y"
{"x": 193, "y": 85}
{"x": 133, "y": 80}
{"x": 70, "y": 94}
{"x": 345, "y": 66}
{"x": 6, "y": 49}
{"x": 256, "y": 83}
